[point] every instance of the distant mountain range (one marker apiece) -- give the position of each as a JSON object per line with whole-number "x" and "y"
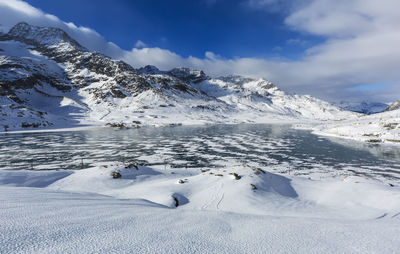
{"x": 364, "y": 107}
{"x": 48, "y": 79}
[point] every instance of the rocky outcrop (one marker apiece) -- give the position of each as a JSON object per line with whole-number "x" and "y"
{"x": 393, "y": 106}
{"x": 188, "y": 75}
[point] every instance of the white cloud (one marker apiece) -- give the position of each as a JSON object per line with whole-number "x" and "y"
{"x": 161, "y": 58}
{"x": 361, "y": 47}
{"x": 346, "y": 18}
{"x": 140, "y": 44}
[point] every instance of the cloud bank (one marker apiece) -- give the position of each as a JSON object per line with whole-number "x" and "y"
{"x": 360, "y": 48}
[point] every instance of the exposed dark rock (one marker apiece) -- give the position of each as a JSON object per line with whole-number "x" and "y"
{"x": 117, "y": 125}
{"x": 176, "y": 201}
{"x": 116, "y": 174}
{"x": 132, "y": 165}
{"x": 28, "y": 125}
{"x": 374, "y": 140}
{"x": 188, "y": 75}
{"x": 236, "y": 176}
{"x": 150, "y": 69}
{"x": 116, "y": 93}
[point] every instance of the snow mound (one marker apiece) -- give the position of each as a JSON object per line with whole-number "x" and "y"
{"x": 231, "y": 189}
{"x": 238, "y": 208}
{"x": 239, "y": 189}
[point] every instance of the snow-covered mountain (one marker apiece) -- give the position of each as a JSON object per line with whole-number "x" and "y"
{"x": 364, "y": 107}
{"x": 382, "y": 127}
{"x": 48, "y": 79}
{"x": 395, "y": 105}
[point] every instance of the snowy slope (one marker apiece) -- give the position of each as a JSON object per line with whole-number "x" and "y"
{"x": 160, "y": 211}
{"x": 260, "y": 95}
{"x": 377, "y": 128}
{"x": 54, "y": 81}
{"x": 393, "y": 106}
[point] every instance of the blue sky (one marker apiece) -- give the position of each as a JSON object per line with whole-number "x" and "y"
{"x": 332, "y": 49}
{"x": 231, "y": 28}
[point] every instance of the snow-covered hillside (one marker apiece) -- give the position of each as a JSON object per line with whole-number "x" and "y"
{"x": 238, "y": 209}
{"x": 48, "y": 79}
{"x": 377, "y": 128}
{"x": 395, "y": 105}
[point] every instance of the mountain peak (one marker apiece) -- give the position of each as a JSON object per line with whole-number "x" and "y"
{"x": 149, "y": 69}
{"x": 41, "y": 35}
{"x": 240, "y": 80}
{"x": 236, "y": 79}
{"x": 395, "y": 105}
{"x": 21, "y": 26}
{"x": 187, "y": 74}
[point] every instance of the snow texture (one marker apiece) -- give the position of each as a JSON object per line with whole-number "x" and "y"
{"x": 153, "y": 211}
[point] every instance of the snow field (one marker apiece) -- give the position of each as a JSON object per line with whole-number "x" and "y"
{"x": 88, "y": 211}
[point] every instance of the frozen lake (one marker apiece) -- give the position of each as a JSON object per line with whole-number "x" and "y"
{"x": 277, "y": 147}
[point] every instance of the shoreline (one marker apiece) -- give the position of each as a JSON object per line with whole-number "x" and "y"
{"x": 160, "y": 125}
{"x": 295, "y": 124}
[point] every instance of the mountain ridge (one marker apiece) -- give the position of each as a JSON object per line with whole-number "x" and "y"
{"x": 35, "y": 60}
{"x": 394, "y": 106}
{"x": 364, "y": 107}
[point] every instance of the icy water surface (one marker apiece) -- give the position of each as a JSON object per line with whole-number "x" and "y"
{"x": 273, "y": 147}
